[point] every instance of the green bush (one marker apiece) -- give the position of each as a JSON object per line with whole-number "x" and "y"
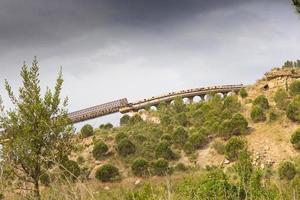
{"x": 87, "y": 131}
{"x": 225, "y": 129}
{"x": 243, "y": 93}
{"x": 180, "y": 167}
{"x": 124, "y": 120}
{"x": 233, "y": 147}
{"x": 219, "y": 147}
{"x": 80, "y": 159}
{"x": 281, "y": 99}
{"x": 120, "y": 136}
{"x": 179, "y": 105}
{"x": 294, "y": 88}
{"x": 188, "y": 148}
{"x": 163, "y": 150}
{"x": 166, "y": 138}
{"x": 287, "y": 170}
{"x": 71, "y": 169}
{"x": 293, "y": 110}
{"x": 161, "y": 167}
{"x": 198, "y": 140}
{"x": 140, "y": 167}
{"x": 272, "y": 116}
{"x": 261, "y": 101}
{"x": 180, "y": 136}
{"x": 295, "y": 139}
{"x": 257, "y": 114}
{"x": 182, "y": 119}
{"x": 125, "y": 147}
{"x": 45, "y": 179}
{"x": 140, "y": 138}
{"x": 239, "y": 124}
{"x": 107, "y": 173}
{"x": 106, "y": 126}
{"x": 232, "y": 103}
{"x": 99, "y": 150}
{"x": 135, "y": 119}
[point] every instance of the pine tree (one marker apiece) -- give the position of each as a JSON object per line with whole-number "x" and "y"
{"x": 37, "y": 130}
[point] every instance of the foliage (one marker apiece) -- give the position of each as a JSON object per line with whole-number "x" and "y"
{"x": 140, "y": 167}
{"x": 37, "y": 127}
{"x": 295, "y": 139}
{"x": 163, "y": 150}
{"x": 262, "y": 102}
{"x": 239, "y": 124}
{"x": 257, "y": 114}
{"x": 87, "y": 131}
{"x": 297, "y": 6}
{"x": 125, "y": 147}
{"x": 178, "y": 105}
{"x": 180, "y": 167}
{"x": 99, "y": 150}
{"x": 70, "y": 168}
{"x": 166, "y": 138}
{"x": 232, "y": 103}
{"x": 219, "y": 147}
{"x": 198, "y": 140}
{"x": 120, "y": 136}
{"x": 106, "y": 126}
{"x": 233, "y": 148}
{"x": 188, "y": 148}
{"x": 182, "y": 119}
{"x": 243, "y": 92}
{"x": 272, "y": 116}
{"x": 287, "y": 170}
{"x": 107, "y": 173}
{"x": 293, "y": 109}
{"x": 161, "y": 167}
{"x": 180, "y": 136}
{"x": 281, "y": 99}
{"x": 135, "y": 119}
{"x": 294, "y": 88}
{"x": 124, "y": 120}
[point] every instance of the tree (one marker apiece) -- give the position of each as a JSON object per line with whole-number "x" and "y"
{"x": 37, "y": 129}
{"x": 294, "y": 88}
{"x": 293, "y": 109}
{"x": 297, "y": 5}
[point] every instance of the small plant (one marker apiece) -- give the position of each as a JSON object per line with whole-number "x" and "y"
{"x": 180, "y": 136}
{"x": 232, "y": 103}
{"x": 287, "y": 170}
{"x": 70, "y": 169}
{"x": 87, "y": 131}
{"x": 262, "y": 102}
{"x": 188, "y": 148}
{"x": 161, "y": 167}
{"x": 125, "y": 147}
{"x": 135, "y": 119}
{"x": 124, "y": 120}
{"x": 294, "y": 88}
{"x": 243, "y": 93}
{"x": 198, "y": 140}
{"x": 45, "y": 179}
{"x": 107, "y": 173}
{"x": 281, "y": 99}
{"x": 99, "y": 150}
{"x": 293, "y": 110}
{"x": 80, "y": 159}
{"x": 163, "y": 150}
{"x": 233, "y": 147}
{"x": 257, "y": 114}
{"x": 106, "y": 126}
{"x": 272, "y": 116}
{"x": 140, "y": 167}
{"x": 295, "y": 139}
{"x": 180, "y": 167}
{"x": 219, "y": 147}
{"x": 182, "y": 119}
{"x": 239, "y": 124}
{"x": 120, "y": 136}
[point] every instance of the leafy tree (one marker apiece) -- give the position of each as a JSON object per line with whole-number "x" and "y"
{"x": 294, "y": 88}
{"x": 87, "y": 130}
{"x": 262, "y": 102}
{"x": 37, "y": 129}
{"x": 293, "y": 109}
{"x": 287, "y": 170}
{"x": 243, "y": 93}
{"x": 281, "y": 99}
{"x": 295, "y": 139}
{"x": 257, "y": 114}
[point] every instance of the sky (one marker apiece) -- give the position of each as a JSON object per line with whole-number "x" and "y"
{"x": 112, "y": 49}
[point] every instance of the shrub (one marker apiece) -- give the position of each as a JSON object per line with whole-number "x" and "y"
{"x": 99, "y": 150}
{"x": 161, "y": 167}
{"x": 124, "y": 120}
{"x": 80, "y": 159}
{"x": 293, "y": 110}
{"x": 106, "y": 126}
{"x": 294, "y": 88}
{"x": 257, "y": 114}
{"x": 232, "y": 103}
{"x": 179, "y": 105}
{"x": 198, "y": 140}
{"x": 287, "y": 170}
{"x": 107, "y": 172}
{"x": 140, "y": 167}
{"x": 166, "y": 138}
{"x": 281, "y": 99}
{"x": 219, "y": 147}
{"x": 295, "y": 139}
{"x": 225, "y": 129}
{"x": 163, "y": 150}
{"x": 188, "y": 148}
{"x": 272, "y": 116}
{"x": 233, "y": 147}
{"x": 135, "y": 119}
{"x": 87, "y": 131}
{"x": 239, "y": 124}
{"x": 180, "y": 167}
{"x": 70, "y": 169}
{"x": 182, "y": 119}
{"x": 120, "y": 136}
{"x": 45, "y": 179}
{"x": 180, "y": 136}
{"x": 243, "y": 93}
{"x": 140, "y": 138}
{"x": 261, "y": 101}
{"x": 126, "y": 147}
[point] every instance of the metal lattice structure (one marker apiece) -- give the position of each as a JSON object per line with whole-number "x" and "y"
{"x": 123, "y": 106}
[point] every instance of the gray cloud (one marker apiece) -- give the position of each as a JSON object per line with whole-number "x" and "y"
{"x": 112, "y": 49}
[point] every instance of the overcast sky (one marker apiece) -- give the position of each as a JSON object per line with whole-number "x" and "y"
{"x": 111, "y": 49}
